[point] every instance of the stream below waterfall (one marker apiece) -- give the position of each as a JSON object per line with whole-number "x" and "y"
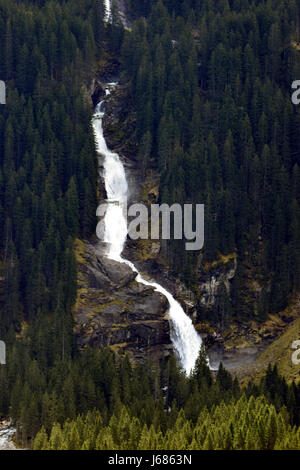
{"x": 7, "y": 432}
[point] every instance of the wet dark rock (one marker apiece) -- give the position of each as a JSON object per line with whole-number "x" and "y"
{"x": 114, "y": 310}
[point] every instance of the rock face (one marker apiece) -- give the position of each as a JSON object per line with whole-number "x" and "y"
{"x": 209, "y": 283}
{"x": 113, "y": 310}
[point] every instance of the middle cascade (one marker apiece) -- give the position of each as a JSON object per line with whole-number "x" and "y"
{"x": 186, "y": 341}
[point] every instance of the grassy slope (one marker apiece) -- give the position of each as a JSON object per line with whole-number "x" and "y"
{"x": 280, "y": 353}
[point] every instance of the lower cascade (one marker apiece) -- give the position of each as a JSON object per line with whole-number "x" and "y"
{"x": 186, "y": 341}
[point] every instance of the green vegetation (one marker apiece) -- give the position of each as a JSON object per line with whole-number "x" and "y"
{"x": 202, "y": 413}
{"x": 245, "y": 425}
{"x": 212, "y": 86}
{"x": 48, "y": 167}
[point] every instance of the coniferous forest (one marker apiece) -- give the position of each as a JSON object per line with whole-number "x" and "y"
{"x": 209, "y": 89}
{"x": 212, "y": 86}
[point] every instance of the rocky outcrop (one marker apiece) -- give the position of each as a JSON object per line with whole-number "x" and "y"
{"x": 120, "y": 126}
{"x": 7, "y": 433}
{"x": 210, "y": 283}
{"x": 113, "y": 310}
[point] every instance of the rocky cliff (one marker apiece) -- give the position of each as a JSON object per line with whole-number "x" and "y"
{"x": 113, "y": 310}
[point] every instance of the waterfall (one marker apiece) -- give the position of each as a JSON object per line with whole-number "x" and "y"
{"x": 107, "y": 6}
{"x": 184, "y": 337}
{"x": 6, "y": 434}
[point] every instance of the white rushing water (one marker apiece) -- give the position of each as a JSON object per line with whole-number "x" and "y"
{"x": 185, "y": 339}
{"x": 107, "y": 6}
